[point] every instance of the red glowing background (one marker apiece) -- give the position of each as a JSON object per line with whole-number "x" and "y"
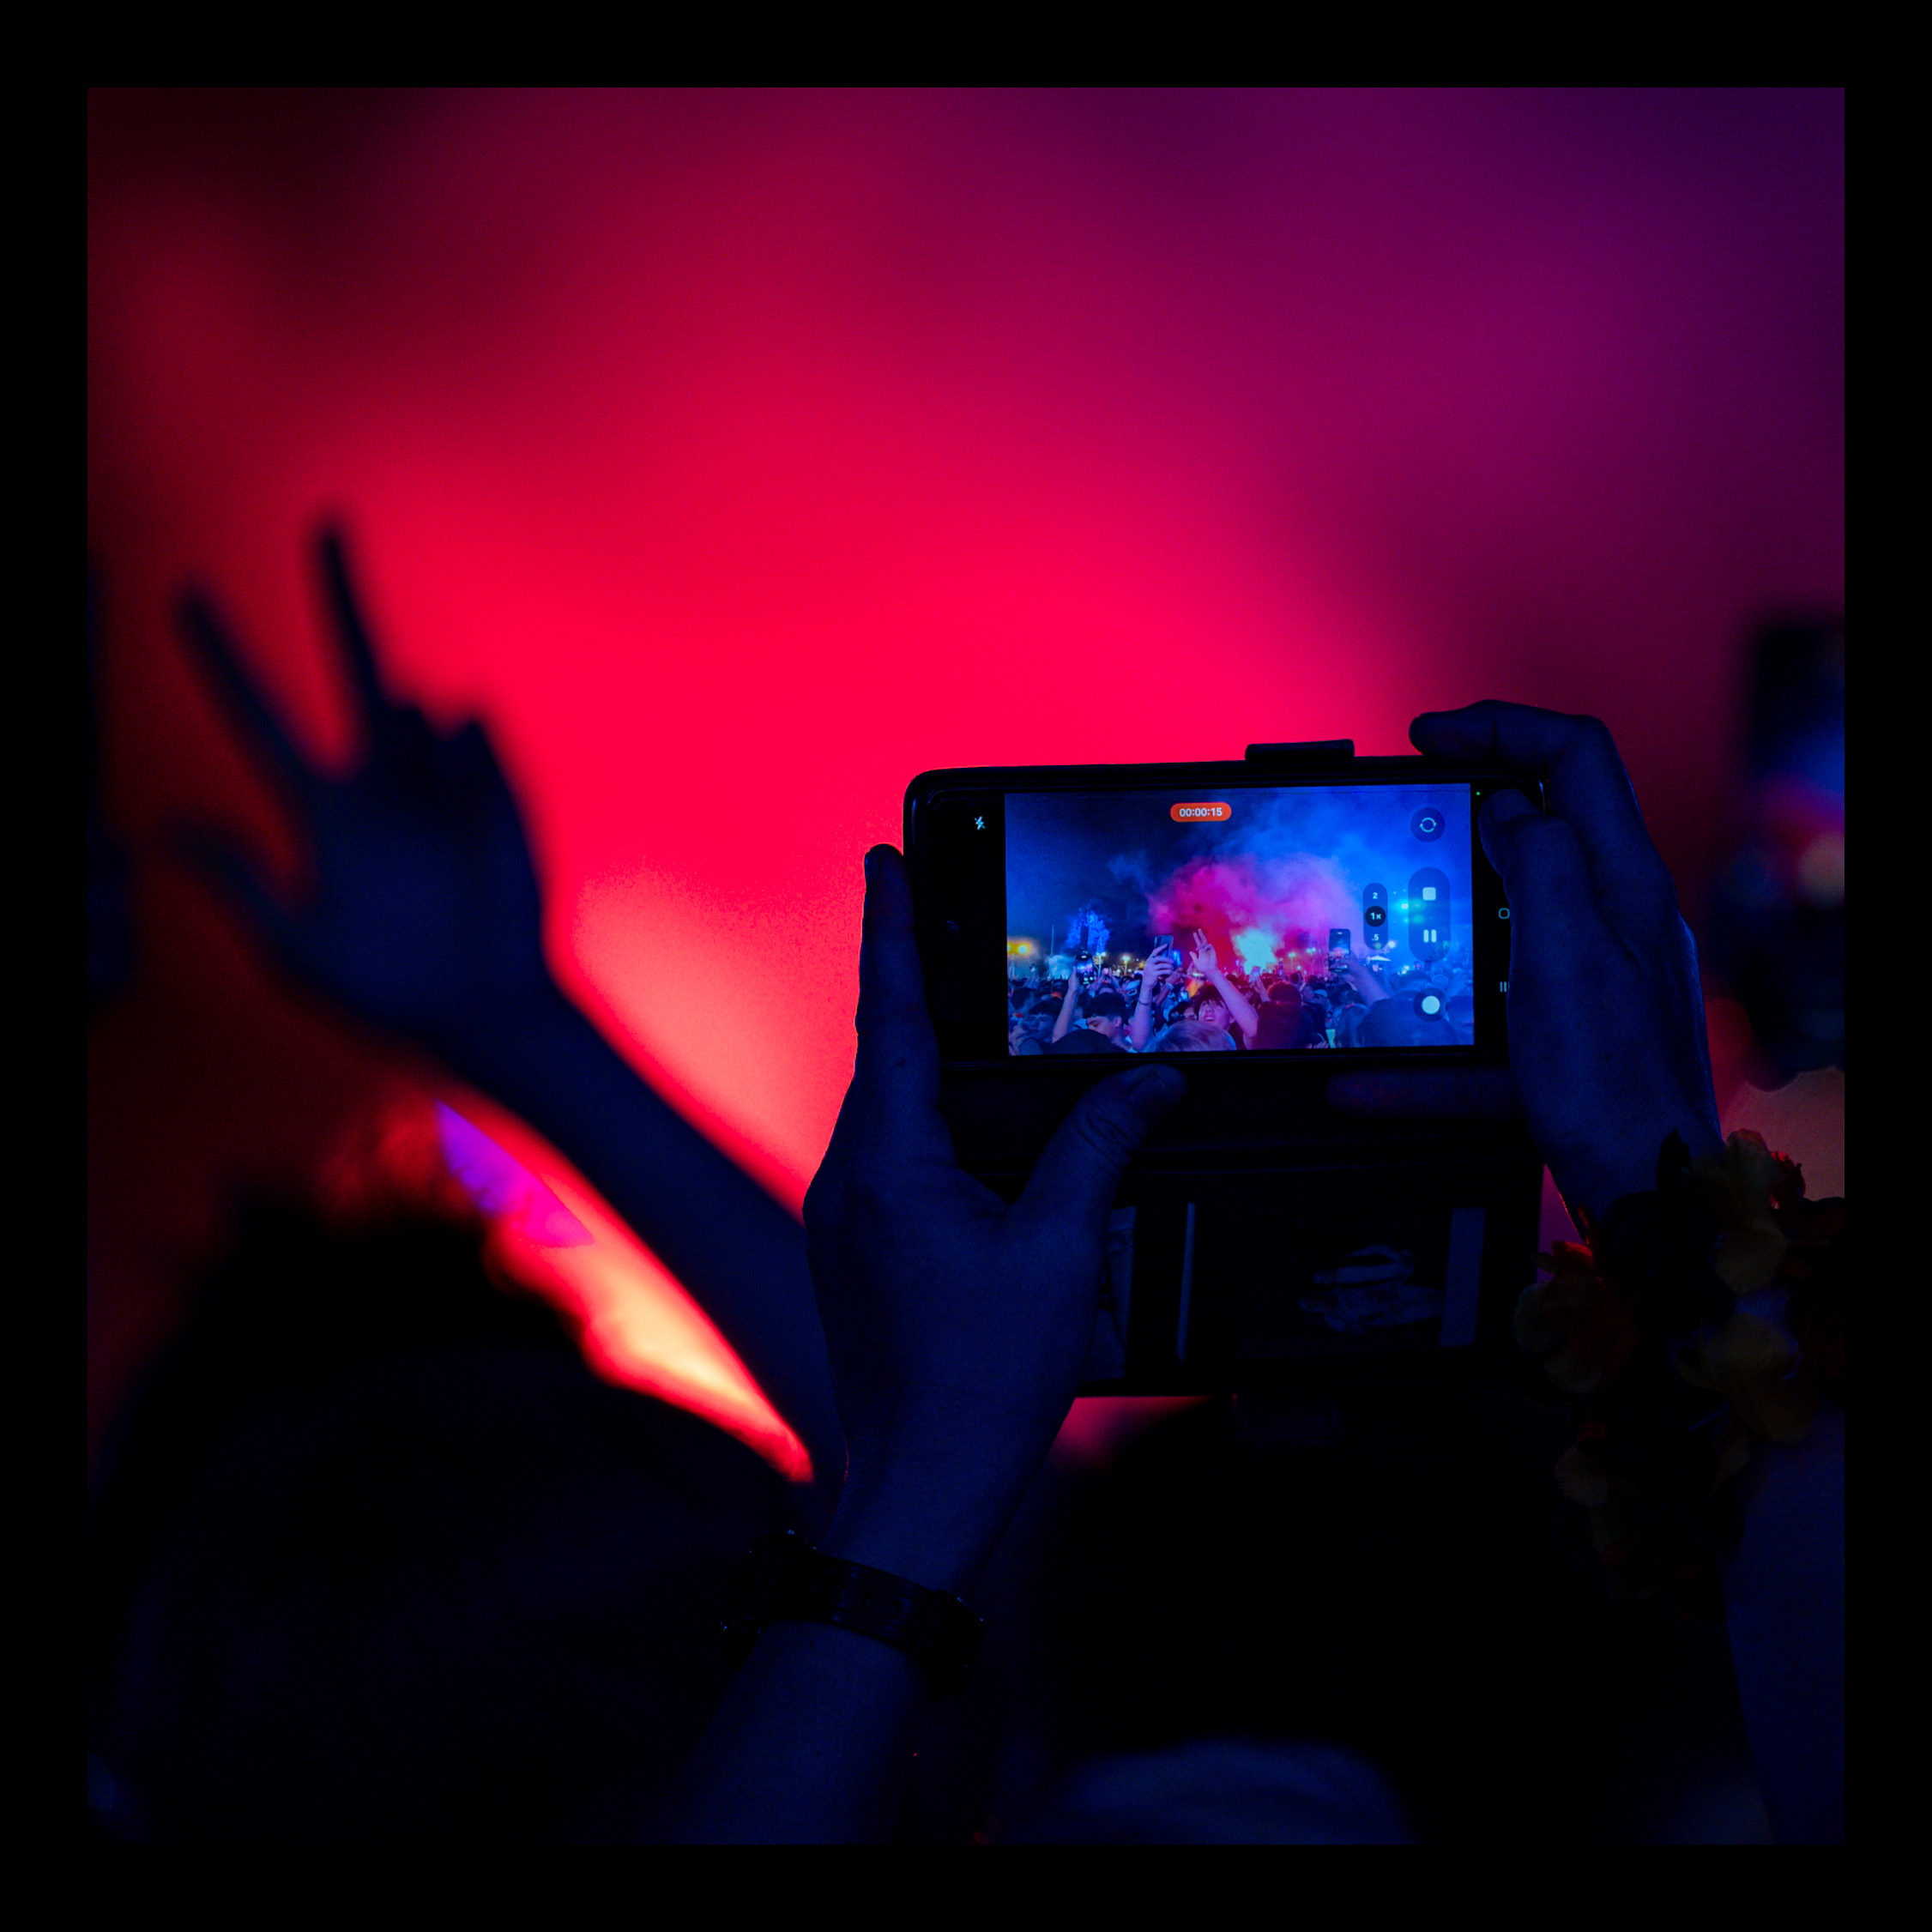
{"x": 738, "y": 455}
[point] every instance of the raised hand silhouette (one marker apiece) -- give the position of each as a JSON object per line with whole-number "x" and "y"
{"x": 420, "y": 909}
{"x": 420, "y": 912}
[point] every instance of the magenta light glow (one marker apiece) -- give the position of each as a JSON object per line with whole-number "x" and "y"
{"x": 738, "y": 455}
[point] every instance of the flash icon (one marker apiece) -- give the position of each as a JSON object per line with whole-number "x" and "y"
{"x": 979, "y": 824}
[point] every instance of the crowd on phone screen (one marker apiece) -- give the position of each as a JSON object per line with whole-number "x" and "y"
{"x": 1195, "y": 1005}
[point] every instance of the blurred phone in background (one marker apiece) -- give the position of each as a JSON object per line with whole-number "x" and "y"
{"x": 1775, "y": 932}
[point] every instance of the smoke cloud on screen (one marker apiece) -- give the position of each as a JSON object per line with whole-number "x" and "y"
{"x": 1287, "y": 868}
{"x": 1248, "y": 906}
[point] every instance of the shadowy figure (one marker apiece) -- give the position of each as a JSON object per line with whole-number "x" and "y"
{"x": 958, "y": 1325}
{"x": 377, "y": 1558}
{"x": 404, "y": 1600}
{"x": 1392, "y": 1599}
{"x": 420, "y": 913}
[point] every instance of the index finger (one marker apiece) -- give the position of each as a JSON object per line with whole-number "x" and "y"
{"x": 897, "y": 1078}
{"x": 352, "y": 634}
{"x": 1584, "y": 777}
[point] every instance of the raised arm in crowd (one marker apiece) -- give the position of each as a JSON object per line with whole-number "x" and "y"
{"x": 924, "y": 1337}
{"x": 1154, "y": 978}
{"x": 421, "y": 915}
{"x": 1205, "y": 965}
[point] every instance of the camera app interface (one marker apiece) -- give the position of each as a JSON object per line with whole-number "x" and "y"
{"x": 1295, "y": 919}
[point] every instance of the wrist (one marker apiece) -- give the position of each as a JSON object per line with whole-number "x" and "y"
{"x": 501, "y": 1043}
{"x": 1593, "y": 1180}
{"x": 934, "y": 1522}
{"x": 950, "y": 1552}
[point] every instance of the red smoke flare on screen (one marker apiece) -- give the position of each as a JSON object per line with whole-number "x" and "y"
{"x": 1293, "y": 899}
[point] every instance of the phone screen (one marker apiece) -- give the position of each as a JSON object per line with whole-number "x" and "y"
{"x": 1238, "y": 908}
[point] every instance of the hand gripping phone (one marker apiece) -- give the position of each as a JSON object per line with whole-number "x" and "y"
{"x": 1262, "y": 1239}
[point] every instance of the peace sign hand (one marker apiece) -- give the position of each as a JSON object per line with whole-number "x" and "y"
{"x": 422, "y": 911}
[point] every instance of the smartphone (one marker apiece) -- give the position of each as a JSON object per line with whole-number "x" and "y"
{"x": 1274, "y": 865}
{"x": 1262, "y": 1240}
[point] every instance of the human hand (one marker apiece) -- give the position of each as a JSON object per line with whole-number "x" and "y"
{"x": 422, "y": 911}
{"x": 1204, "y": 962}
{"x": 1607, "y": 1042}
{"x": 1354, "y": 971}
{"x": 1367, "y": 982}
{"x": 957, "y": 1327}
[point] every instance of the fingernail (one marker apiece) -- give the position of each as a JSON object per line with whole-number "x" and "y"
{"x": 1154, "y": 1090}
{"x": 1508, "y": 805}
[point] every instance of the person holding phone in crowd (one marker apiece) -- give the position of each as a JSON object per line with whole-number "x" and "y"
{"x": 1149, "y": 1003}
{"x": 947, "y": 1330}
{"x": 959, "y": 1323}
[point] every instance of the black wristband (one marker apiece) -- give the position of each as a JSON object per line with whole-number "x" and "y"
{"x": 783, "y": 1578}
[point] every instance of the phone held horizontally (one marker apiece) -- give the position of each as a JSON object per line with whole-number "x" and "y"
{"x": 1204, "y": 913}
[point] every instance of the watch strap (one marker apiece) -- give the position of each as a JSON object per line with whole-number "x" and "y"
{"x": 783, "y": 1578}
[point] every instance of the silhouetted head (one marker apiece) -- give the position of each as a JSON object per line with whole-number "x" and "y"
{"x": 1190, "y": 1036}
{"x": 378, "y": 1558}
{"x": 1083, "y": 1040}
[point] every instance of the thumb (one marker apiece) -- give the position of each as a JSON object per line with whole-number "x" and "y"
{"x": 1500, "y": 812}
{"x": 1078, "y": 1175}
{"x": 1542, "y": 861}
